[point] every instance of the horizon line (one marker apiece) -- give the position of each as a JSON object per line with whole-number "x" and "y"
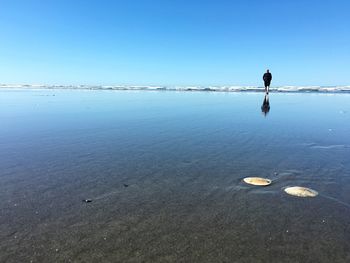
{"x": 156, "y": 85}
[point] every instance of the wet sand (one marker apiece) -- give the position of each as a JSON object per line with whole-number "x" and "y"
{"x": 183, "y": 156}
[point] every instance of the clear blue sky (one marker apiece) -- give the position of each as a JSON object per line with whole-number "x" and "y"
{"x": 175, "y": 42}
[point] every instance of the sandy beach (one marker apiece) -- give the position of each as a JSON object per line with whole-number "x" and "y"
{"x": 164, "y": 173}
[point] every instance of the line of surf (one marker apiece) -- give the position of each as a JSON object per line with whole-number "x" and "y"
{"x": 321, "y": 89}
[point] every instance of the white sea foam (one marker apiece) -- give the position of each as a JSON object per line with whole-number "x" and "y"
{"x": 322, "y": 89}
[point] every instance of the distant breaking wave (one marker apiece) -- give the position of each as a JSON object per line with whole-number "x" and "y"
{"x": 323, "y": 89}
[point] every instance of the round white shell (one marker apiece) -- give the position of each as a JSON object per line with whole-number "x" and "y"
{"x": 301, "y": 191}
{"x": 257, "y": 181}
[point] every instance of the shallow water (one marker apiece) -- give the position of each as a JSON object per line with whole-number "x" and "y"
{"x": 183, "y": 156}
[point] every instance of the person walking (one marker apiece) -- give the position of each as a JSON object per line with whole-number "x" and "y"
{"x": 267, "y": 81}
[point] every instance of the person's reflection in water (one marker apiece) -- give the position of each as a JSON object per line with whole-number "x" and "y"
{"x": 265, "y": 107}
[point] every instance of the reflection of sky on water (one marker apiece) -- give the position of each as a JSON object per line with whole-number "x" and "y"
{"x": 180, "y": 153}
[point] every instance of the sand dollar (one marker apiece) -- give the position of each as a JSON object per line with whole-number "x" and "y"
{"x": 257, "y": 181}
{"x": 301, "y": 191}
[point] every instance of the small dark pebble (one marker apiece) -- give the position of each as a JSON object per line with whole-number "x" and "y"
{"x": 125, "y": 185}
{"x": 87, "y": 200}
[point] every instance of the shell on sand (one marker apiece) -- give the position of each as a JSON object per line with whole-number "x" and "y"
{"x": 257, "y": 181}
{"x": 301, "y": 191}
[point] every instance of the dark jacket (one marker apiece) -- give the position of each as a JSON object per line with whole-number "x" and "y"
{"x": 267, "y": 77}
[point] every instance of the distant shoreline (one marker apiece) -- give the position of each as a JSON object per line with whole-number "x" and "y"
{"x": 289, "y": 89}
